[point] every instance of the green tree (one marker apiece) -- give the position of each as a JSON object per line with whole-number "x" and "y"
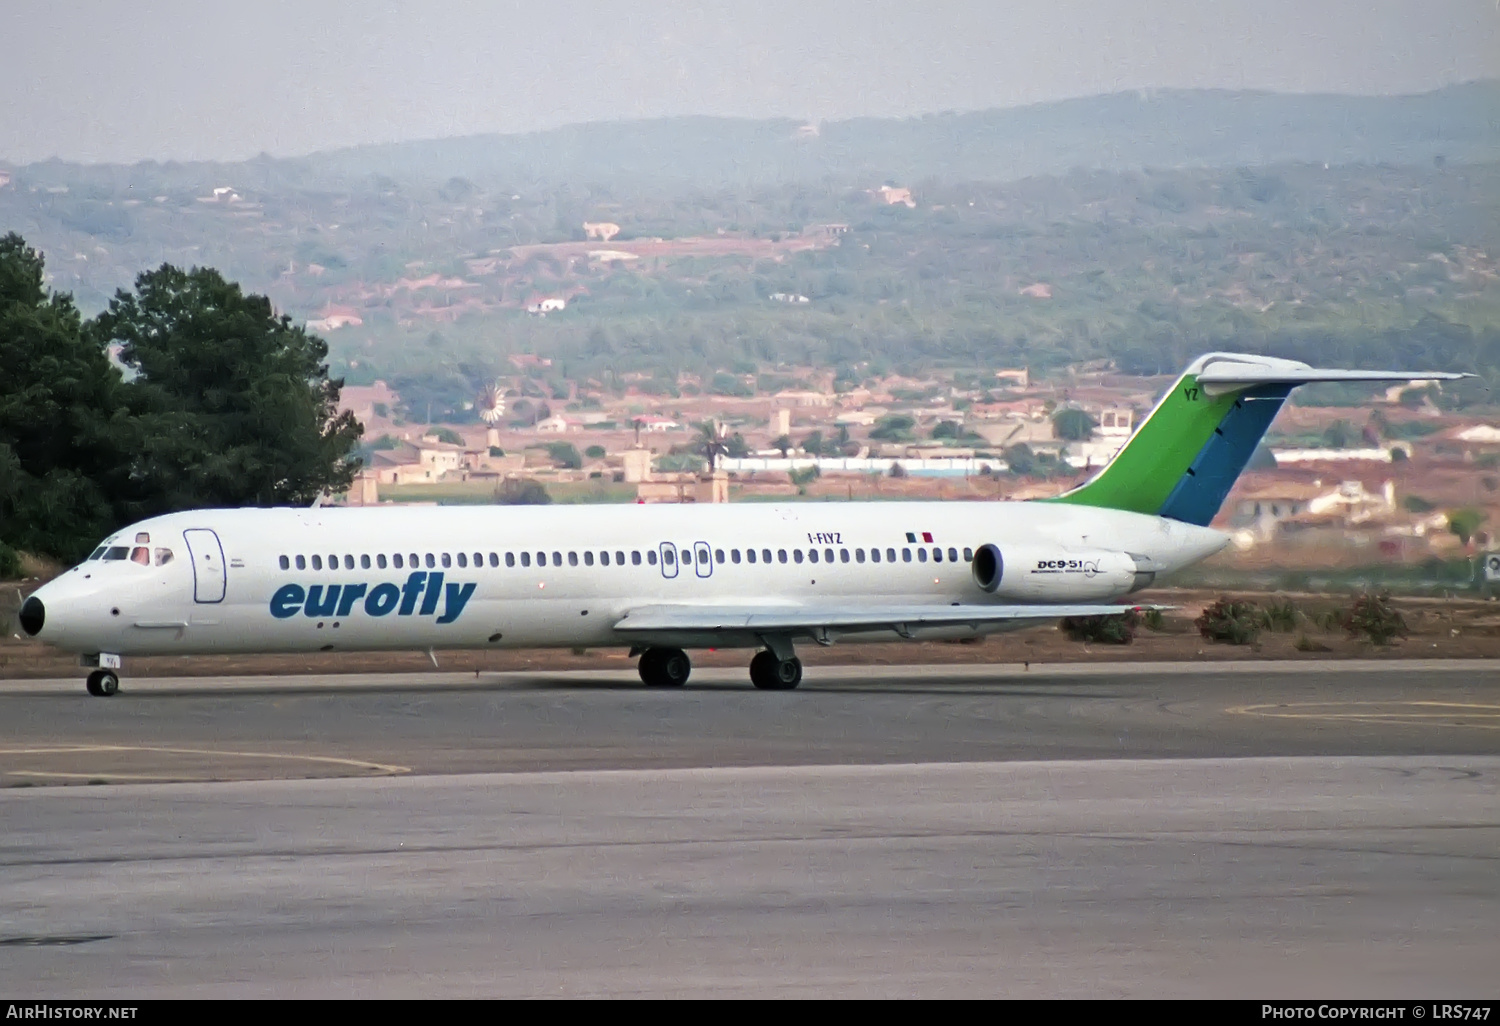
{"x": 565, "y": 455}
{"x": 782, "y": 442}
{"x": 61, "y": 417}
{"x": 595, "y": 452}
{"x": 1073, "y": 425}
{"x": 1463, "y": 523}
{"x": 234, "y": 404}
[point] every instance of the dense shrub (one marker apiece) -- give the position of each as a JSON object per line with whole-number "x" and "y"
{"x": 1154, "y": 621}
{"x": 1234, "y": 621}
{"x": 1280, "y": 615}
{"x": 1374, "y": 618}
{"x": 1115, "y": 629}
{"x": 10, "y": 563}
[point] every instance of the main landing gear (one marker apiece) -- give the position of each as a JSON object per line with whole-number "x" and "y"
{"x": 670, "y": 667}
{"x": 772, "y": 673}
{"x": 103, "y": 683}
{"x": 665, "y": 667}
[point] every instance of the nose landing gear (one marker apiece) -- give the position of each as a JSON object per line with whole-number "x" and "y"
{"x": 103, "y": 683}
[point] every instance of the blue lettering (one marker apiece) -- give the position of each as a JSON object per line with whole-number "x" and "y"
{"x": 287, "y": 600}
{"x": 317, "y": 605}
{"x": 410, "y": 591}
{"x": 434, "y": 592}
{"x": 352, "y": 592}
{"x": 382, "y": 599}
{"x": 458, "y": 597}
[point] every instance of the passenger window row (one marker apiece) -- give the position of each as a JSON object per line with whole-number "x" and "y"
{"x": 464, "y": 560}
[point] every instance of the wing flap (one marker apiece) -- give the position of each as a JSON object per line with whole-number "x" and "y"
{"x": 698, "y": 619}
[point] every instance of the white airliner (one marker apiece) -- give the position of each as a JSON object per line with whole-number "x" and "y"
{"x": 662, "y": 579}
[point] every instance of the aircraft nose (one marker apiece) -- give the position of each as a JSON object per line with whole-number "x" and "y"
{"x": 33, "y": 616}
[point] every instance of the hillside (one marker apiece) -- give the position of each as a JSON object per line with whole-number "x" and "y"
{"x": 1136, "y": 228}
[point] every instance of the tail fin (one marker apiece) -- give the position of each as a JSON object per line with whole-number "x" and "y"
{"x": 1188, "y": 453}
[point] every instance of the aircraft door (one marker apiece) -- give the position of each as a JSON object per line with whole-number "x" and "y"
{"x": 208, "y": 564}
{"x": 703, "y": 559}
{"x": 668, "y": 559}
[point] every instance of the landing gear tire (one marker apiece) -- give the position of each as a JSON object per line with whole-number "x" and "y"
{"x": 771, "y": 674}
{"x": 665, "y": 667}
{"x": 103, "y": 683}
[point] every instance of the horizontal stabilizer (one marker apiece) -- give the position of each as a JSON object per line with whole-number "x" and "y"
{"x": 1222, "y": 377}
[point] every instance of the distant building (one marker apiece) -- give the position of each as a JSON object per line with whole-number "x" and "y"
{"x": 1018, "y": 376}
{"x": 543, "y": 307}
{"x": 601, "y": 230}
{"x": 787, "y": 297}
{"x": 1040, "y": 290}
{"x": 890, "y": 196}
{"x": 334, "y": 318}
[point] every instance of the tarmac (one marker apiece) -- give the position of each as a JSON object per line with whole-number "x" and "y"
{"x": 1261, "y": 831}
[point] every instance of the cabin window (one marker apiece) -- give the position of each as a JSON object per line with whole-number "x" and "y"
{"x": 463, "y": 560}
{"x": 479, "y": 558}
{"x": 828, "y": 555}
{"x": 557, "y": 559}
{"x": 687, "y": 557}
{"x": 668, "y": 555}
{"x": 525, "y": 559}
{"x": 859, "y": 555}
{"x": 635, "y": 558}
{"x": 572, "y": 559}
{"x": 906, "y": 555}
{"x": 117, "y": 552}
{"x": 510, "y": 558}
{"x": 364, "y": 562}
{"x": 953, "y": 555}
{"x": 874, "y": 555}
{"x": 750, "y": 555}
{"x": 447, "y": 561}
{"x": 890, "y": 556}
{"x": 163, "y": 557}
{"x": 380, "y": 560}
{"x": 588, "y": 559}
{"x": 494, "y": 559}
{"x": 541, "y": 559}
{"x": 413, "y": 561}
{"x": 604, "y": 558}
{"x": 797, "y": 555}
{"x": 317, "y": 562}
{"x": 843, "y": 555}
{"x": 651, "y": 556}
{"x": 286, "y": 564}
{"x": 734, "y": 555}
{"x": 333, "y": 562}
{"x": 937, "y": 555}
{"x": 396, "y": 561}
{"x": 301, "y": 563}
{"x": 968, "y": 554}
{"x": 921, "y": 555}
{"x": 812, "y": 556}
{"x": 719, "y": 555}
{"x": 348, "y": 562}
{"x": 140, "y": 554}
{"x": 431, "y": 561}
{"x": 619, "y": 557}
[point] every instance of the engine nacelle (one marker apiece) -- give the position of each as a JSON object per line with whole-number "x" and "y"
{"x": 1031, "y": 574}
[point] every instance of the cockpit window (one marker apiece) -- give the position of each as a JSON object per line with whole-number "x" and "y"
{"x": 163, "y": 557}
{"x": 143, "y": 538}
{"x": 117, "y": 552}
{"x": 98, "y": 552}
{"x": 140, "y": 554}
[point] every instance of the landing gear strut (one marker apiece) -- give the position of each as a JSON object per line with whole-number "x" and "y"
{"x": 665, "y": 667}
{"x": 772, "y": 673}
{"x": 103, "y": 683}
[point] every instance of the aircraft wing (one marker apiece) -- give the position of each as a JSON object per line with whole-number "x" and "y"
{"x": 669, "y": 624}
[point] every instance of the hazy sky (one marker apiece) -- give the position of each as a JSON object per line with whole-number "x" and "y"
{"x": 104, "y": 80}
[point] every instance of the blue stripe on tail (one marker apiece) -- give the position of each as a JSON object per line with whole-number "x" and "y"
{"x": 1202, "y": 490}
